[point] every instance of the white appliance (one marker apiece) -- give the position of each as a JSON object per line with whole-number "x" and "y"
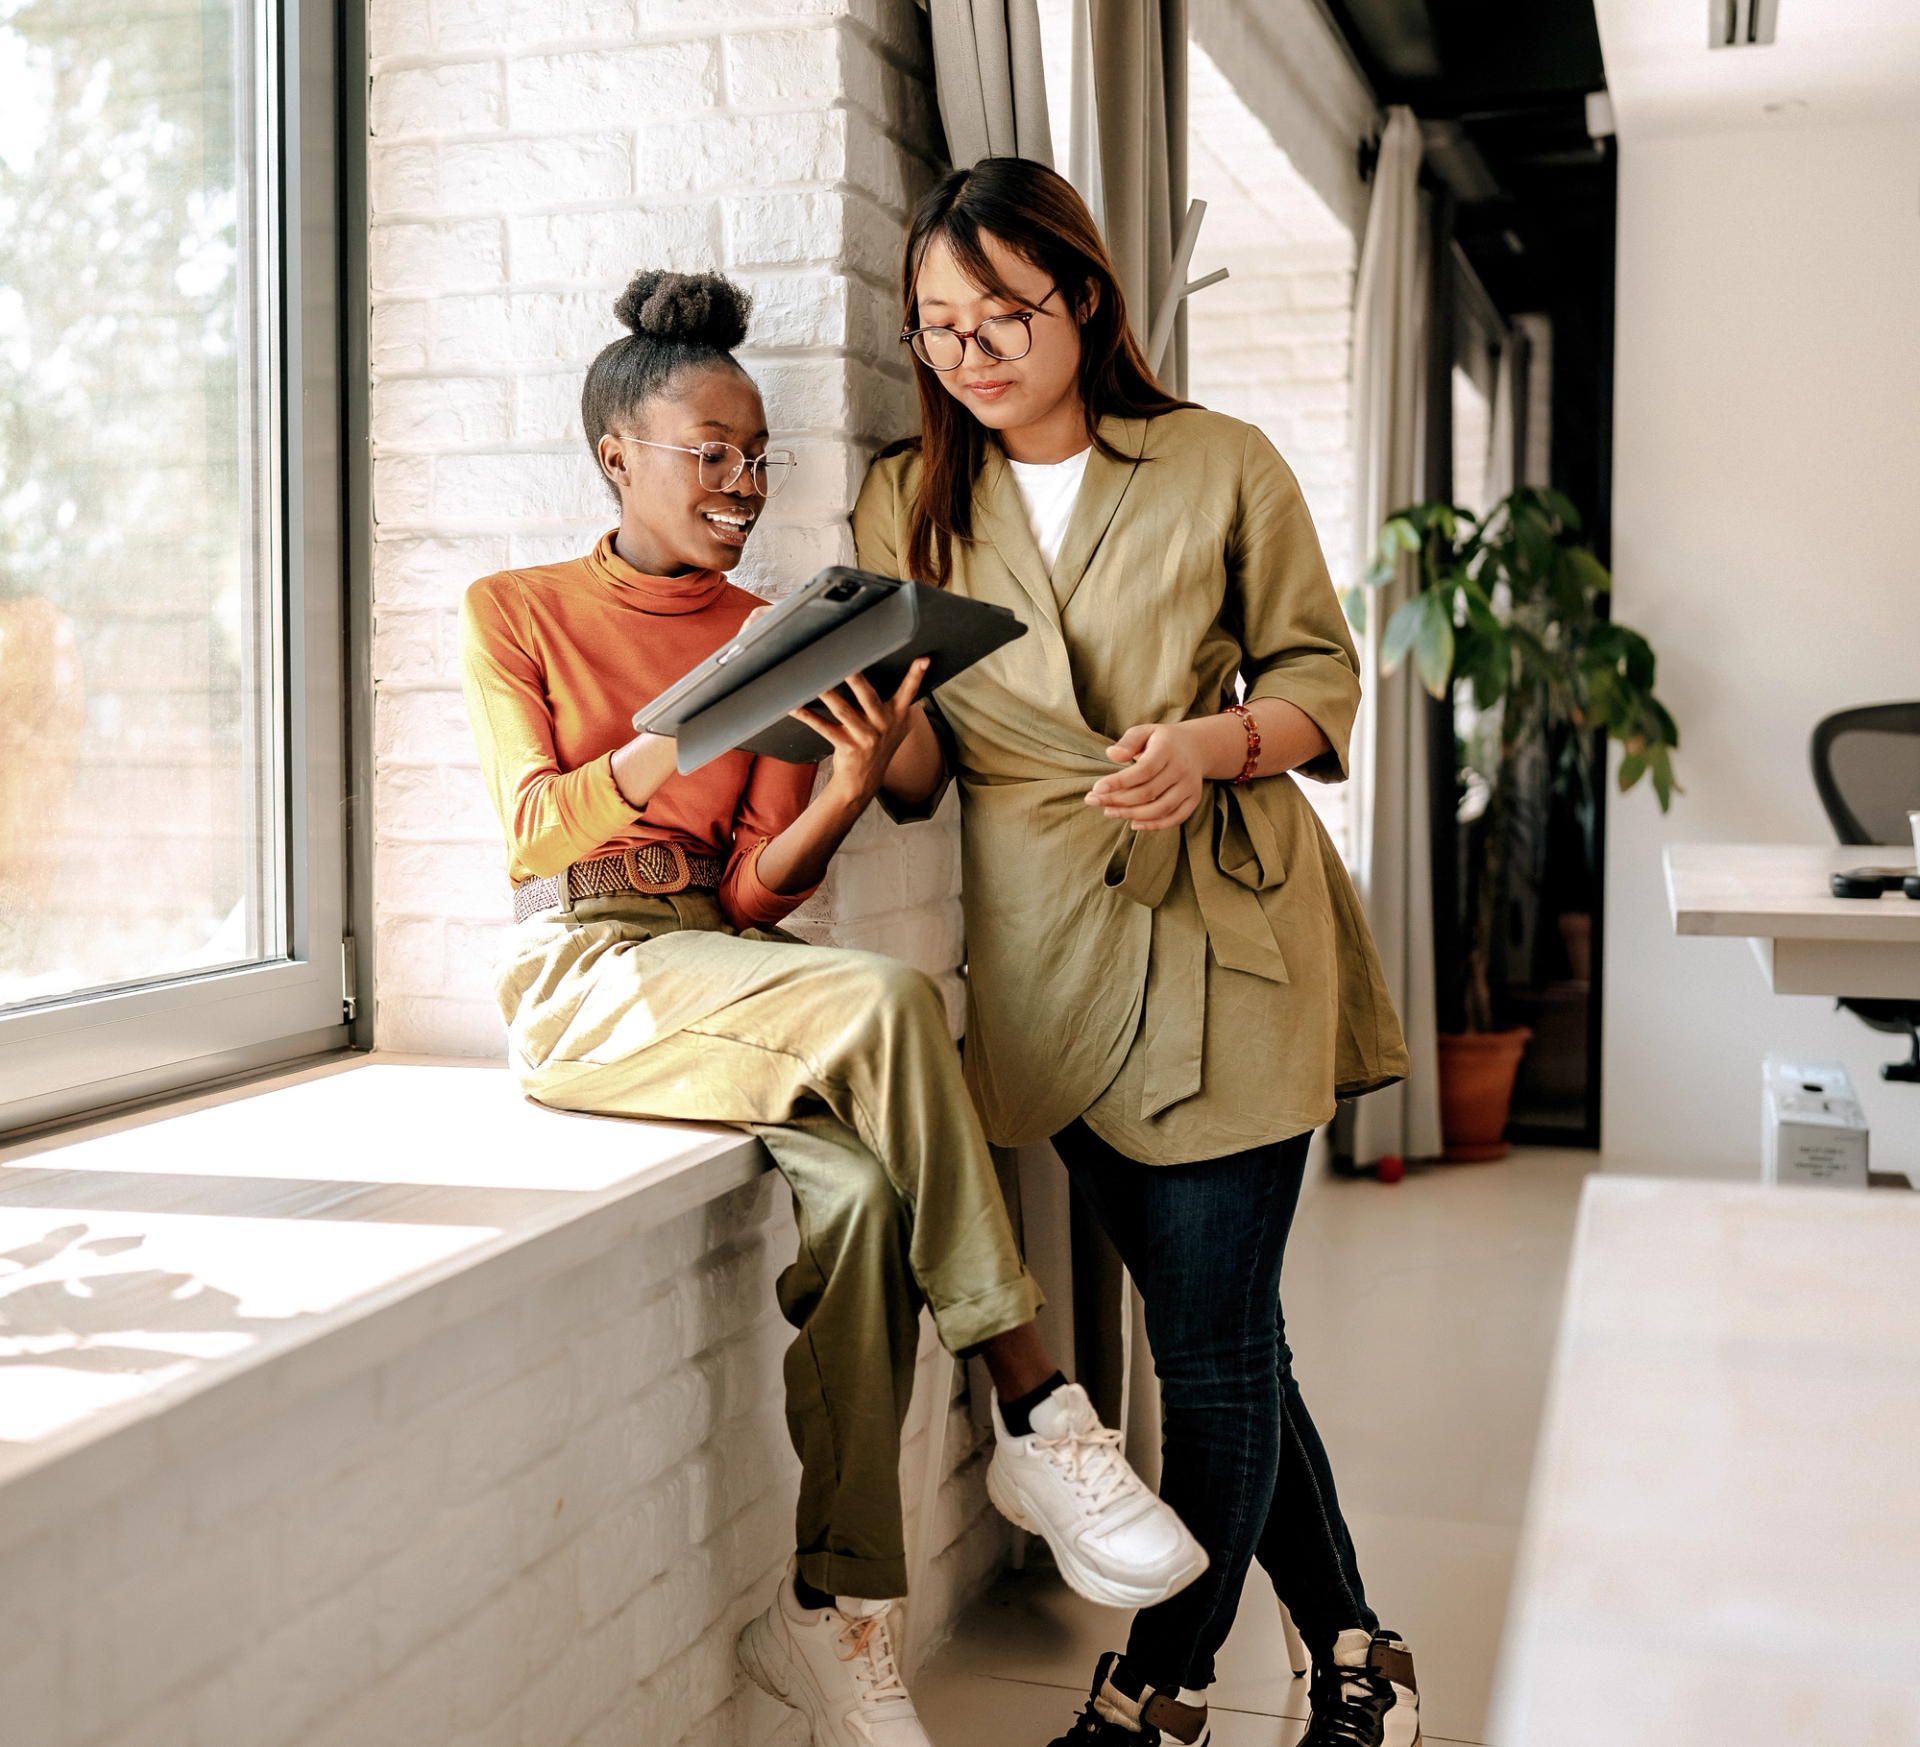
{"x": 1812, "y": 1129}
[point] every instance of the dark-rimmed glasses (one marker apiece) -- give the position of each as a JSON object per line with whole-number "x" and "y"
{"x": 721, "y": 465}
{"x": 1002, "y": 338}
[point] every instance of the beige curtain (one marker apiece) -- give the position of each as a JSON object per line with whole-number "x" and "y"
{"x": 987, "y": 75}
{"x": 1393, "y": 862}
{"x": 1139, "y": 55}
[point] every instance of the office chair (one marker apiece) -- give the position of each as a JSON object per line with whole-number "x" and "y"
{"x": 1866, "y": 766}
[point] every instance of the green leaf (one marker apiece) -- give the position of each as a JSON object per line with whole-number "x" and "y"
{"x": 1353, "y": 602}
{"x": 1632, "y": 768}
{"x": 1559, "y": 504}
{"x": 1433, "y": 646}
{"x": 1401, "y": 630}
{"x": 1664, "y": 787}
{"x": 1593, "y": 576}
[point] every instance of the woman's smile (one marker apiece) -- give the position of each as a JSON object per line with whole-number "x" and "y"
{"x": 730, "y": 524}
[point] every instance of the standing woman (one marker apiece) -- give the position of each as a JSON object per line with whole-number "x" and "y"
{"x": 1169, "y": 975}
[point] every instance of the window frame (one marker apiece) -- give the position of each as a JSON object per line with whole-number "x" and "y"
{"x": 69, "y": 1057}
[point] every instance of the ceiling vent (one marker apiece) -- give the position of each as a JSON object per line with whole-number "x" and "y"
{"x": 1739, "y": 24}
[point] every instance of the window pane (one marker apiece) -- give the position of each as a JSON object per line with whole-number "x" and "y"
{"x": 139, "y": 805}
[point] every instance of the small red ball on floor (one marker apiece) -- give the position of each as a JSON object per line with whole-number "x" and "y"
{"x": 1391, "y": 1168}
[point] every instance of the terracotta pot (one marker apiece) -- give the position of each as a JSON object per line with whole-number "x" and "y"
{"x": 1476, "y": 1086}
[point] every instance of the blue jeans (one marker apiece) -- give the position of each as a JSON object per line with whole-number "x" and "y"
{"x": 1241, "y": 1462}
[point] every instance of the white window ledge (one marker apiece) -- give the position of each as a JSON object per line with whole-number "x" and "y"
{"x": 165, "y": 1278}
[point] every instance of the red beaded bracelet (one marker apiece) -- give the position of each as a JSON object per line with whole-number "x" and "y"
{"x": 1253, "y": 741}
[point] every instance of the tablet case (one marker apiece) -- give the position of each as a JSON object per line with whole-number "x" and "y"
{"x": 844, "y": 621}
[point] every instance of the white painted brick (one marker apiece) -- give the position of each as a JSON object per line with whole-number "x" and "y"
{"x": 459, "y": 255}
{"x": 493, "y": 488}
{"x": 399, "y": 336}
{"x": 450, "y": 879}
{"x": 464, "y": 97}
{"x": 489, "y": 24}
{"x": 714, "y": 154}
{"x": 402, "y": 488}
{"x": 668, "y": 17}
{"x": 612, "y": 87}
{"x": 403, "y": 178}
{"x": 441, "y": 411}
{"x": 423, "y": 724}
{"x": 610, "y": 247}
{"x": 433, "y": 570}
{"x": 535, "y": 546}
{"x": 547, "y": 409}
{"x": 785, "y": 68}
{"x": 397, "y": 27}
{"x": 518, "y": 175}
{"x": 438, "y": 1578}
{"x": 539, "y": 327}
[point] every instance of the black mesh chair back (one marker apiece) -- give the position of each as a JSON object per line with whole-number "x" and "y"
{"x": 1866, "y": 765}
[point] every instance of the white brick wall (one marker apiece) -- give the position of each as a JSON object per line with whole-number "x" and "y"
{"x": 542, "y": 1526}
{"x": 526, "y": 160}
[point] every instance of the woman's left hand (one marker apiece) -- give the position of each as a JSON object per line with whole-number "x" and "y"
{"x": 1163, "y": 780}
{"x": 864, "y": 733}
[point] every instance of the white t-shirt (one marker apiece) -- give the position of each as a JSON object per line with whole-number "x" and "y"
{"x": 1047, "y": 491}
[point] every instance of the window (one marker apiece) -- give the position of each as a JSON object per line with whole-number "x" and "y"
{"x": 171, "y": 866}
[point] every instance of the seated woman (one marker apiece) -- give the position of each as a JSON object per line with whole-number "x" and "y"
{"x": 647, "y": 978}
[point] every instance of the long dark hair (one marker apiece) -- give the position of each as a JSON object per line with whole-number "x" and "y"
{"x": 1037, "y": 215}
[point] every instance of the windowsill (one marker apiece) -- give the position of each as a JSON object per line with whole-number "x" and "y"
{"x": 169, "y": 1276}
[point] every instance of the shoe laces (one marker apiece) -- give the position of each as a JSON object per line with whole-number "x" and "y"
{"x": 867, "y": 1643}
{"x": 1096, "y": 1469}
{"x": 1347, "y": 1707}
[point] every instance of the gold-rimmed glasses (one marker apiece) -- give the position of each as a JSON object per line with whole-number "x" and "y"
{"x": 1002, "y": 338}
{"x": 721, "y": 465}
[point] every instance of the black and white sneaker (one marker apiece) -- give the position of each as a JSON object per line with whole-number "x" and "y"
{"x": 1123, "y": 1712}
{"x": 1365, "y": 1695}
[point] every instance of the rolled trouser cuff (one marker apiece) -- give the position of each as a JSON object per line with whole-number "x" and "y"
{"x": 964, "y": 1325}
{"x": 843, "y": 1574}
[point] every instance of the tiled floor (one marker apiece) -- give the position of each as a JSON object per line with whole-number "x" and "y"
{"x": 1422, "y": 1320}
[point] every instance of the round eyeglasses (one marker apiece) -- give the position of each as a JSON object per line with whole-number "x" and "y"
{"x": 1001, "y": 338}
{"x": 721, "y": 465}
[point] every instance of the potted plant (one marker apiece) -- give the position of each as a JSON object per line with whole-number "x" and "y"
{"x": 1506, "y": 619}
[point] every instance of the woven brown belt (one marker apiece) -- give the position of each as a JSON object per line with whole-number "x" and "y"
{"x": 653, "y": 869}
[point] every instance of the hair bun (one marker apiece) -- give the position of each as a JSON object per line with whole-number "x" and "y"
{"x": 700, "y": 309}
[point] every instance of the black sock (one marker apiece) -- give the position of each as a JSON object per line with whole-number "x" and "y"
{"x": 808, "y": 1596}
{"x": 1017, "y": 1414}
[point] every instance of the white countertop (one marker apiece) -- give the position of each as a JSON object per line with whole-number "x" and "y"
{"x": 1809, "y": 941}
{"x": 1722, "y": 1540}
{"x": 1781, "y": 889}
{"x": 160, "y": 1272}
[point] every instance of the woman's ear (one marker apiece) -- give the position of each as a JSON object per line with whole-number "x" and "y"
{"x": 612, "y": 455}
{"x": 1089, "y": 302}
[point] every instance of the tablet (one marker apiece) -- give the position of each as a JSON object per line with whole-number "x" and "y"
{"x": 844, "y": 621}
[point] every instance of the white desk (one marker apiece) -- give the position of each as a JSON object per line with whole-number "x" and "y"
{"x": 1808, "y": 941}
{"x": 1722, "y": 1542}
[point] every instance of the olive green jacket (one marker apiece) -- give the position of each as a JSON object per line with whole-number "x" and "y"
{"x": 1190, "y": 992}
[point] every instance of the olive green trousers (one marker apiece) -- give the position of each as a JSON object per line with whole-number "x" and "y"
{"x": 842, "y": 1064}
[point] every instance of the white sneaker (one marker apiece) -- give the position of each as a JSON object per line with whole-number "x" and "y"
{"x": 838, "y": 1665}
{"x": 1114, "y": 1541}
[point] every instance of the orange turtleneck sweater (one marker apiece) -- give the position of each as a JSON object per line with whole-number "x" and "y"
{"x": 554, "y": 661}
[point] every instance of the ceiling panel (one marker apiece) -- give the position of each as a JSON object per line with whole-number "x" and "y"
{"x": 1831, "y": 60}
